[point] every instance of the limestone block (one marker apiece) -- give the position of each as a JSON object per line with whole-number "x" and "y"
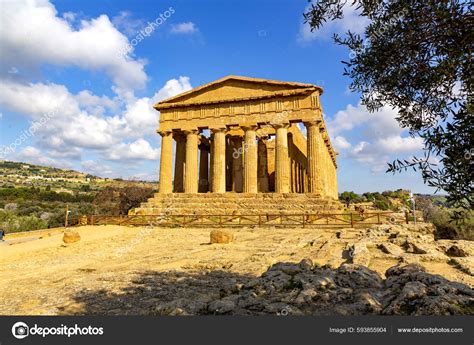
{"x": 221, "y": 236}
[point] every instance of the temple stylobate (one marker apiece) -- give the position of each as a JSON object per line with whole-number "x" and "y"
{"x": 244, "y": 135}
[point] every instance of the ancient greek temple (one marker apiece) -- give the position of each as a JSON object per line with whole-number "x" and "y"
{"x": 244, "y": 135}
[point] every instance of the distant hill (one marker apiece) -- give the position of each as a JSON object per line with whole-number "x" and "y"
{"x": 36, "y": 197}
{"x": 16, "y": 174}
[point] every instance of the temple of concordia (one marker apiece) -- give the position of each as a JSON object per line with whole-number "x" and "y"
{"x": 235, "y": 146}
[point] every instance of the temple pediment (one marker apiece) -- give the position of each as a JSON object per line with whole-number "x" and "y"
{"x": 234, "y": 88}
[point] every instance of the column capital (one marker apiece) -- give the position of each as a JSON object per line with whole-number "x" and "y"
{"x": 249, "y": 127}
{"x": 178, "y": 135}
{"x": 164, "y": 133}
{"x": 218, "y": 130}
{"x": 313, "y": 123}
{"x": 190, "y": 131}
{"x": 281, "y": 125}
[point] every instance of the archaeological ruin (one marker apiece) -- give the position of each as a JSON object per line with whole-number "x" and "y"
{"x": 236, "y": 143}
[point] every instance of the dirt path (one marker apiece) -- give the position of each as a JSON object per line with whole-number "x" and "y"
{"x": 39, "y": 275}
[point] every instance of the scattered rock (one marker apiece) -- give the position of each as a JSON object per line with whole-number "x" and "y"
{"x": 413, "y": 247}
{"x": 71, "y": 236}
{"x": 460, "y": 249}
{"x": 359, "y": 253}
{"x": 390, "y": 248}
{"x": 221, "y": 236}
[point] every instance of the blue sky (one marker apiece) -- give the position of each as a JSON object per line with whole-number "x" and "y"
{"x": 77, "y": 70}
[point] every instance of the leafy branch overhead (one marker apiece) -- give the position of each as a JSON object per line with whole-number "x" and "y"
{"x": 416, "y": 56}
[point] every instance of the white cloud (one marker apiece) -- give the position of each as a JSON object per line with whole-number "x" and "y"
{"x": 32, "y": 34}
{"x": 383, "y": 138}
{"x": 97, "y": 169}
{"x": 139, "y": 149}
{"x": 76, "y": 124}
{"x": 341, "y": 143}
{"x": 33, "y": 155}
{"x": 382, "y": 123}
{"x": 351, "y": 21}
{"x": 184, "y": 28}
{"x": 173, "y": 87}
{"x": 126, "y": 23}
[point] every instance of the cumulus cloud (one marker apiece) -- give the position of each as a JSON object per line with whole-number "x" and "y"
{"x": 33, "y": 155}
{"x": 351, "y": 21}
{"x": 184, "y": 28}
{"x": 32, "y": 34}
{"x": 173, "y": 87}
{"x": 383, "y": 136}
{"x": 137, "y": 150}
{"x": 341, "y": 143}
{"x": 97, "y": 169}
{"x": 74, "y": 122}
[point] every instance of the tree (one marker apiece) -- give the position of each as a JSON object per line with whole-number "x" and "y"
{"x": 416, "y": 56}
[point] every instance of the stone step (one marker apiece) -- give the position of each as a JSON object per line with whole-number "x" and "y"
{"x": 151, "y": 211}
{"x": 239, "y": 205}
{"x": 236, "y": 200}
{"x": 231, "y": 195}
{"x": 215, "y": 210}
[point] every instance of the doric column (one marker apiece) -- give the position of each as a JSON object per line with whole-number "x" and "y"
{"x": 336, "y": 191}
{"x": 262, "y": 172}
{"x": 228, "y": 164}
{"x": 218, "y": 161}
{"x": 166, "y": 162}
{"x": 250, "y": 160}
{"x": 237, "y": 164}
{"x": 191, "y": 167}
{"x": 203, "y": 168}
{"x": 328, "y": 166}
{"x": 297, "y": 177}
{"x": 282, "y": 165}
{"x": 315, "y": 161}
{"x": 300, "y": 179}
{"x": 179, "y": 162}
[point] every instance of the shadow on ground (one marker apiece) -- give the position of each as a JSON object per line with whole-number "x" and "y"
{"x": 284, "y": 289}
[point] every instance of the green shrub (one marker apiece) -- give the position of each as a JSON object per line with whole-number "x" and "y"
{"x": 381, "y": 205}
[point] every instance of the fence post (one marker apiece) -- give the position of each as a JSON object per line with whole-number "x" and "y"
{"x": 406, "y": 217}
{"x": 378, "y": 218}
{"x": 352, "y": 220}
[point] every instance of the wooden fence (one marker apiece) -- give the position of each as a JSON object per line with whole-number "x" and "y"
{"x": 260, "y": 220}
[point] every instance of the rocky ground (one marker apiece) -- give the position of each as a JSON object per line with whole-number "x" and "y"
{"x": 387, "y": 269}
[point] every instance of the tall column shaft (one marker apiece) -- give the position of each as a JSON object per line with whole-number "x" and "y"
{"x": 325, "y": 168}
{"x": 250, "y": 160}
{"x": 228, "y": 164}
{"x": 315, "y": 149}
{"x": 336, "y": 191}
{"x": 203, "y": 169}
{"x": 282, "y": 165}
{"x": 237, "y": 165}
{"x": 218, "y": 161}
{"x": 180, "y": 160}
{"x": 262, "y": 172}
{"x": 191, "y": 167}
{"x": 166, "y": 162}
